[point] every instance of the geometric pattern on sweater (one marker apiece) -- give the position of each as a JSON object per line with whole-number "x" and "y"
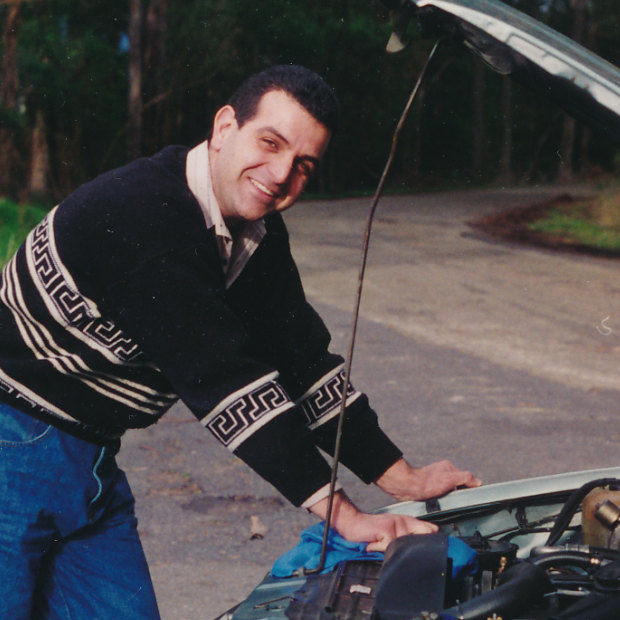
{"x": 31, "y": 400}
{"x": 48, "y": 277}
{"x": 244, "y": 412}
{"x": 323, "y": 400}
{"x": 64, "y": 301}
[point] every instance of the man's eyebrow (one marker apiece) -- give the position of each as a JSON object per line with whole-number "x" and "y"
{"x": 276, "y": 133}
{"x": 314, "y": 160}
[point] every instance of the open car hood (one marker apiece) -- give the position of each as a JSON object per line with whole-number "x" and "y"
{"x": 514, "y": 44}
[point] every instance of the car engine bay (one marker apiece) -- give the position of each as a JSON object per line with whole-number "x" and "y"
{"x": 554, "y": 556}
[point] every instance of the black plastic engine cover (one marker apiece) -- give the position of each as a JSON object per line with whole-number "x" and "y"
{"x": 413, "y": 577}
{"x": 346, "y": 593}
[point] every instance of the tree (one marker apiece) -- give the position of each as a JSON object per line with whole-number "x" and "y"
{"x": 11, "y": 166}
{"x": 39, "y": 170}
{"x": 565, "y": 173}
{"x": 134, "y": 131}
{"x": 505, "y": 173}
{"x": 86, "y": 85}
{"x": 73, "y": 85}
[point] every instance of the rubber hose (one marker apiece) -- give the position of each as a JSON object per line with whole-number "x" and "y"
{"x": 594, "y": 606}
{"x": 523, "y": 585}
{"x": 564, "y": 558}
{"x": 572, "y": 504}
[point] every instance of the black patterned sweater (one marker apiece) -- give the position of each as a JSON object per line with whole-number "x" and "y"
{"x": 115, "y": 307}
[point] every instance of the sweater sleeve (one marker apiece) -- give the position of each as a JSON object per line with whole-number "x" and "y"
{"x": 290, "y": 334}
{"x": 365, "y": 449}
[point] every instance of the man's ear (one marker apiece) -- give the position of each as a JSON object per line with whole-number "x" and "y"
{"x": 224, "y": 120}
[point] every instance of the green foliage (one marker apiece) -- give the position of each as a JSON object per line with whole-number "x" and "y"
{"x": 578, "y": 230}
{"x": 215, "y": 45}
{"x": 73, "y": 66}
{"x": 17, "y": 221}
{"x": 10, "y": 119}
{"x": 594, "y": 223}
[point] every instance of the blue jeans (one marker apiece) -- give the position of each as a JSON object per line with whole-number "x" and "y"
{"x": 69, "y": 546}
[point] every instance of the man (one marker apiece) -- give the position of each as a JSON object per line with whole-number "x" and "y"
{"x": 172, "y": 278}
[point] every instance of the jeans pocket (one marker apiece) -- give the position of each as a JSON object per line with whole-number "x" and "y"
{"x": 17, "y": 428}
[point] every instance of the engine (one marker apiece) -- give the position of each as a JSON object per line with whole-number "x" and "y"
{"x": 573, "y": 575}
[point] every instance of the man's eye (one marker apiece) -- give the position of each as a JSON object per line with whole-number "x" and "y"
{"x": 269, "y": 143}
{"x": 305, "y": 168}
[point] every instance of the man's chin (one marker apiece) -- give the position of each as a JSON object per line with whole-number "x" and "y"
{"x": 257, "y": 211}
{"x": 258, "y": 214}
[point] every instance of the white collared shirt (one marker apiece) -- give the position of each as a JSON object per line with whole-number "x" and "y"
{"x": 235, "y": 253}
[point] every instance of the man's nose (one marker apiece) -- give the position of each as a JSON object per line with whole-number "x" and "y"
{"x": 280, "y": 168}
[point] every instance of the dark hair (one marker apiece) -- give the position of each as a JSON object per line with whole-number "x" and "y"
{"x": 305, "y": 86}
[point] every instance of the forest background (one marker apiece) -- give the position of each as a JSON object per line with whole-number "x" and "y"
{"x": 87, "y": 85}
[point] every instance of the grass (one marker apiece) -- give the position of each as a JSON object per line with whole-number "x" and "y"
{"x": 15, "y": 223}
{"x": 594, "y": 223}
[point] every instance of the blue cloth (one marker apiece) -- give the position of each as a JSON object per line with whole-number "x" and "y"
{"x": 464, "y": 558}
{"x": 68, "y": 532}
{"x": 308, "y": 552}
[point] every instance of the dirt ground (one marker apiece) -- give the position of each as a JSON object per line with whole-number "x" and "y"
{"x": 513, "y": 226}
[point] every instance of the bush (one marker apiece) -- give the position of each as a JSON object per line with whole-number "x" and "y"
{"x": 17, "y": 220}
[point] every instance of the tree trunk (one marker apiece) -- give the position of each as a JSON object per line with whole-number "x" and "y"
{"x": 479, "y": 125}
{"x": 505, "y": 174}
{"x": 134, "y": 132}
{"x": 10, "y": 78}
{"x": 567, "y": 148}
{"x": 154, "y": 45}
{"x": 40, "y": 170}
{"x": 11, "y": 167}
{"x": 157, "y": 124}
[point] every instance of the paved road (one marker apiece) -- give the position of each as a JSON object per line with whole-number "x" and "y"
{"x": 502, "y": 358}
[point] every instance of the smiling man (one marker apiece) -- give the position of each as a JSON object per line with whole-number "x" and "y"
{"x": 264, "y": 165}
{"x": 172, "y": 278}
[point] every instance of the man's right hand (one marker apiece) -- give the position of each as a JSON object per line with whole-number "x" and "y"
{"x": 404, "y": 482}
{"x": 378, "y": 530}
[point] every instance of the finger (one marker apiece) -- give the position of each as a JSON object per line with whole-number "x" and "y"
{"x": 424, "y": 527}
{"x": 378, "y": 545}
{"x": 409, "y": 525}
{"x": 457, "y": 479}
{"x": 418, "y": 528}
{"x": 467, "y": 479}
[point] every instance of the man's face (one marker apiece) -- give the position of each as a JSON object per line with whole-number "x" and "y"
{"x": 264, "y": 165}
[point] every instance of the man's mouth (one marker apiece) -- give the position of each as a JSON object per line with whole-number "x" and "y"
{"x": 263, "y": 188}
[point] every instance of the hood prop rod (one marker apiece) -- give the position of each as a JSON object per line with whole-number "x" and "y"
{"x": 356, "y": 309}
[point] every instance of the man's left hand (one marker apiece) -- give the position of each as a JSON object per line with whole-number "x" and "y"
{"x": 407, "y": 483}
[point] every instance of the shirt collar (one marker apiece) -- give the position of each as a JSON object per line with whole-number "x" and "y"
{"x": 234, "y": 253}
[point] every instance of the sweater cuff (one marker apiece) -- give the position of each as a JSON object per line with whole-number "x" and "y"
{"x": 367, "y": 454}
{"x": 364, "y": 449}
{"x": 321, "y": 494}
{"x": 290, "y": 462}
{"x": 283, "y": 453}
